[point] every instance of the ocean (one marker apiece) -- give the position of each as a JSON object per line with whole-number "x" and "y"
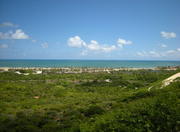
{"x": 88, "y": 63}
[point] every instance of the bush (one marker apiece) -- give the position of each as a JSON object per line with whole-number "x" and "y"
{"x": 139, "y": 95}
{"x": 93, "y": 110}
{"x": 158, "y": 114}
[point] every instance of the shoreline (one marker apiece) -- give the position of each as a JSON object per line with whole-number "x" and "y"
{"x": 87, "y": 64}
{"x": 105, "y": 69}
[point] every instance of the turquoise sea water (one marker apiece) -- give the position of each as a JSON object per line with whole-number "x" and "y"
{"x": 87, "y": 63}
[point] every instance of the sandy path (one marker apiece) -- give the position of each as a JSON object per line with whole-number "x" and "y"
{"x": 170, "y": 79}
{"x": 167, "y": 81}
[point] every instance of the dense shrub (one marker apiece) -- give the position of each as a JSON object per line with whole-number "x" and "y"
{"x": 93, "y": 110}
{"x": 158, "y": 114}
{"x": 87, "y": 103}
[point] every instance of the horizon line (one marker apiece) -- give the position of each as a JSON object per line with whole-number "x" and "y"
{"x": 97, "y": 59}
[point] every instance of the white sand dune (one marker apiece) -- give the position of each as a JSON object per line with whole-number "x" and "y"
{"x": 167, "y": 81}
{"x": 170, "y": 79}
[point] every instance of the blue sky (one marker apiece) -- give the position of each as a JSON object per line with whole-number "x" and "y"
{"x": 90, "y": 29}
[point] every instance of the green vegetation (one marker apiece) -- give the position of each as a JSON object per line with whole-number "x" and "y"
{"x": 89, "y": 102}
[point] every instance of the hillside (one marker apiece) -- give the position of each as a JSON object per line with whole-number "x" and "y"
{"x": 89, "y": 102}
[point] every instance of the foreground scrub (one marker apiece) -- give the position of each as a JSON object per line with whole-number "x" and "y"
{"x": 89, "y": 102}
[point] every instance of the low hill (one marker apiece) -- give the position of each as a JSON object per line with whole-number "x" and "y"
{"x": 89, "y": 102}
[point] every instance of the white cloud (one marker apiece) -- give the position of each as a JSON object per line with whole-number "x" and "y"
{"x": 18, "y": 34}
{"x": 76, "y": 41}
{"x": 121, "y": 42}
{"x": 151, "y": 53}
{"x": 95, "y": 46}
{"x": 163, "y": 45}
{"x": 44, "y": 45}
{"x": 5, "y": 35}
{"x": 170, "y": 51}
{"x": 154, "y": 54}
{"x": 168, "y": 35}
{"x": 3, "y": 46}
{"x": 159, "y": 54}
{"x": 140, "y": 54}
{"x": 7, "y": 24}
{"x": 108, "y": 48}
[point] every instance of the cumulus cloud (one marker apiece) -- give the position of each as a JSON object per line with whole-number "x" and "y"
{"x": 3, "y": 46}
{"x": 18, "y": 34}
{"x": 178, "y": 49}
{"x": 121, "y": 42}
{"x": 95, "y": 46}
{"x": 44, "y": 45}
{"x": 8, "y": 24}
{"x": 76, "y": 41}
{"x": 108, "y": 48}
{"x": 168, "y": 35}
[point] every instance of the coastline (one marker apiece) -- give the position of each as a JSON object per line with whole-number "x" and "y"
{"x": 87, "y": 64}
{"x": 85, "y": 69}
